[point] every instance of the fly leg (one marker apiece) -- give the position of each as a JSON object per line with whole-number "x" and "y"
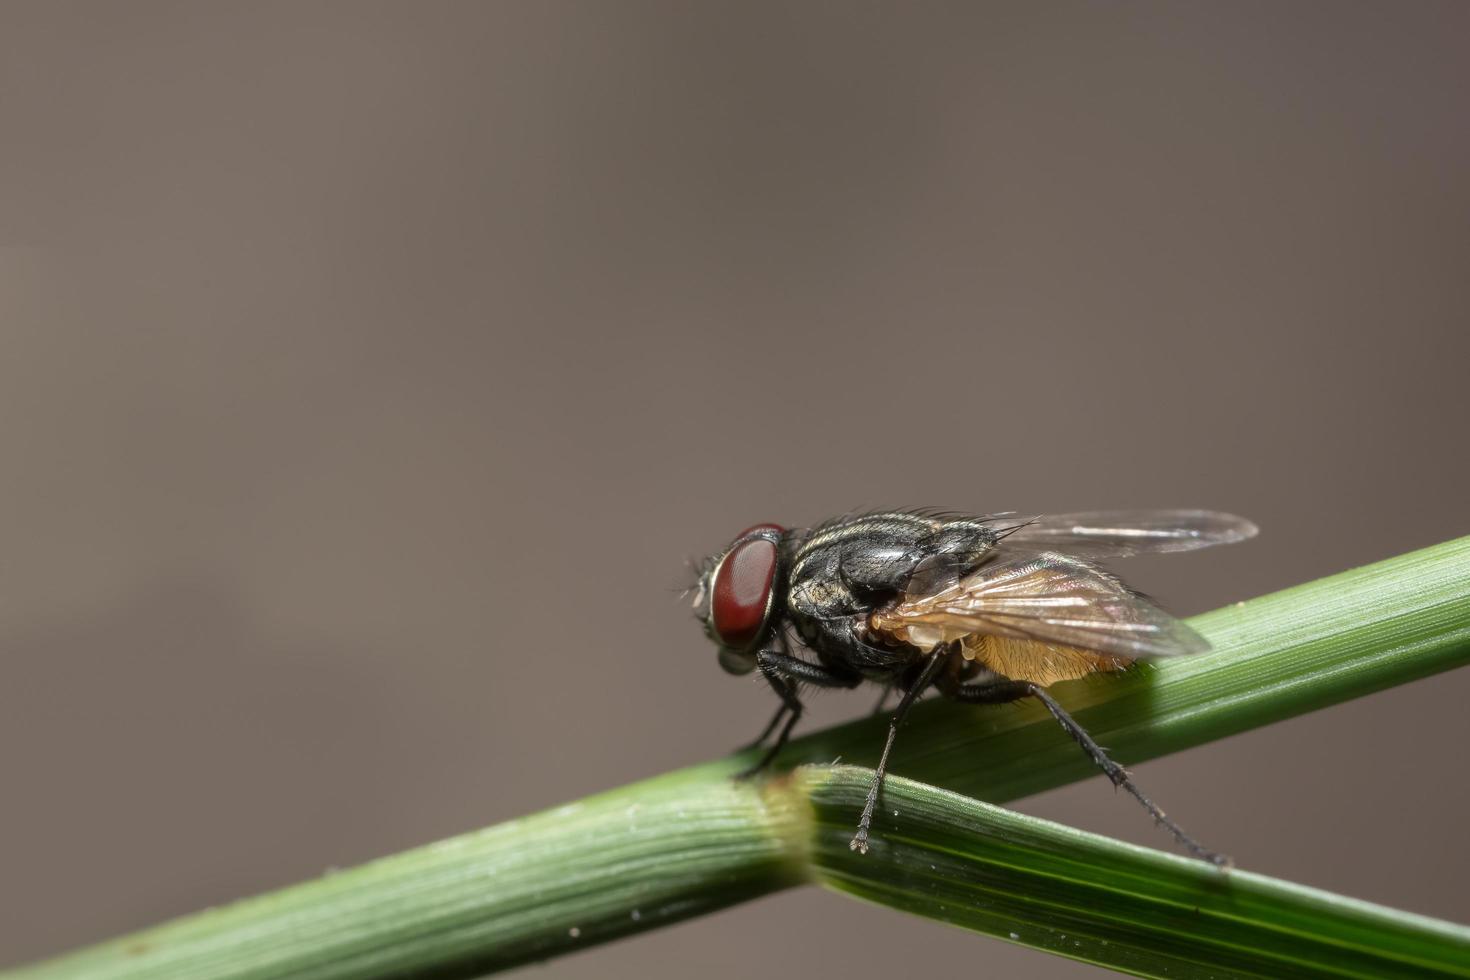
{"x": 911, "y": 694}
{"x": 783, "y": 672}
{"x": 791, "y": 706}
{"x": 760, "y": 739}
{"x": 781, "y": 709}
{"x": 1003, "y": 691}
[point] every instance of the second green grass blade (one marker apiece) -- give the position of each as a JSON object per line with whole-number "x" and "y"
{"x": 1075, "y": 894}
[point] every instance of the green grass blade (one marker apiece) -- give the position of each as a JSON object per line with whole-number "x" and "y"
{"x": 624, "y": 861}
{"x": 691, "y": 841}
{"x": 1037, "y": 883}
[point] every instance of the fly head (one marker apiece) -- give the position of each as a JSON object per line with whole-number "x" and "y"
{"x": 737, "y": 596}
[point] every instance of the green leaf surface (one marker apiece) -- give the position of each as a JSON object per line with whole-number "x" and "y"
{"x": 1086, "y": 897}
{"x": 564, "y": 879}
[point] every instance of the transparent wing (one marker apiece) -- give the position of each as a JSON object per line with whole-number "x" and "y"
{"x": 1123, "y": 533}
{"x": 1045, "y": 597}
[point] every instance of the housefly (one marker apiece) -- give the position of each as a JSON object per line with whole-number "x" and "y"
{"x": 987, "y": 610}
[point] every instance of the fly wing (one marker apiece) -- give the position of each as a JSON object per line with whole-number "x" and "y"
{"x": 1041, "y": 617}
{"x": 1124, "y": 533}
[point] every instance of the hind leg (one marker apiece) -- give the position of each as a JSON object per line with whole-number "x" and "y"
{"x": 1004, "y": 691}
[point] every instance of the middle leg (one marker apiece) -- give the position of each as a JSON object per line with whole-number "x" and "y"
{"x": 911, "y": 693}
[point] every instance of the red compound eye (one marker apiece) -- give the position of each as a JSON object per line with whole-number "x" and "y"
{"x": 741, "y": 594}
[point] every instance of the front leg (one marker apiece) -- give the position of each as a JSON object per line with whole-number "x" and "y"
{"x": 781, "y": 709}
{"x": 784, "y": 672}
{"x": 760, "y": 739}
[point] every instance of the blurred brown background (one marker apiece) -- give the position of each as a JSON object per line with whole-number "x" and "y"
{"x": 367, "y": 373}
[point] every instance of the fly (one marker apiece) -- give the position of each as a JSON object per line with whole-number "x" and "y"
{"x": 988, "y": 610}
